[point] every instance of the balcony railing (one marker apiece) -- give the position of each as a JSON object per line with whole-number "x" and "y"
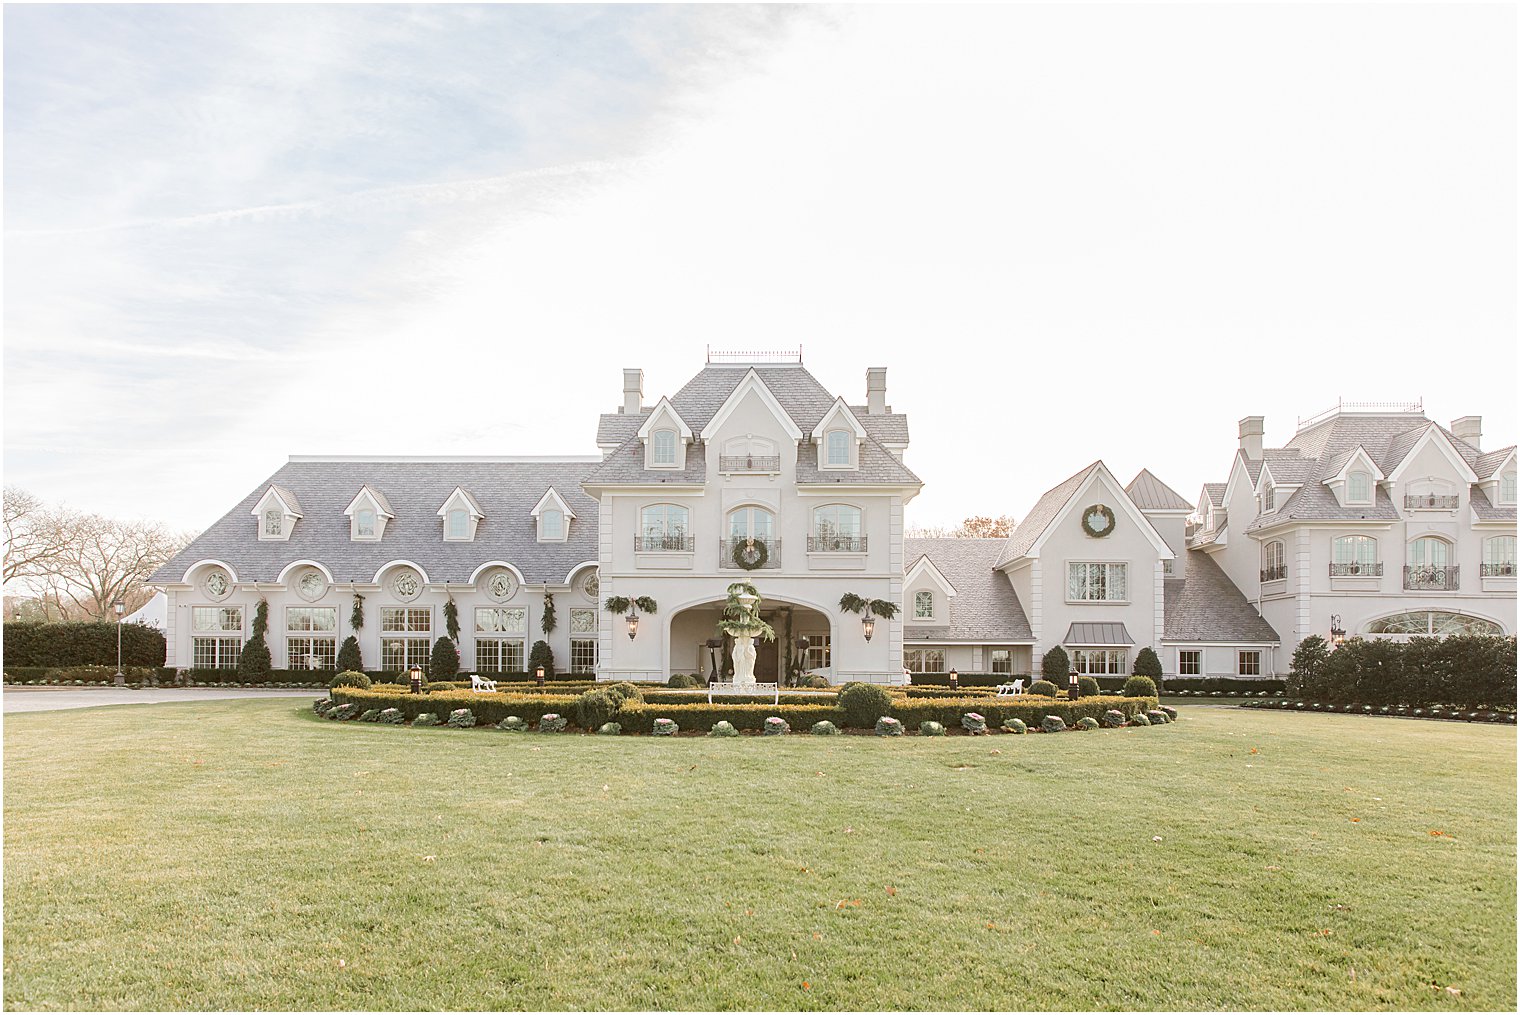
{"x": 1499, "y": 570}
{"x": 1437, "y": 501}
{"x": 727, "y": 552}
{"x": 1274, "y": 574}
{"x": 664, "y": 544}
{"x": 1374, "y": 570}
{"x": 1419, "y": 577}
{"x": 749, "y": 463}
{"x": 836, "y": 544}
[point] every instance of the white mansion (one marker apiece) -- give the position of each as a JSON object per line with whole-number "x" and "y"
{"x": 754, "y": 471}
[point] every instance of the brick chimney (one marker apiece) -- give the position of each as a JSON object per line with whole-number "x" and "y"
{"x": 1470, "y": 429}
{"x": 876, "y": 390}
{"x": 1251, "y": 430}
{"x": 633, "y": 391}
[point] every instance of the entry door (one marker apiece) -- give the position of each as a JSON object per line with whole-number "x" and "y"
{"x": 766, "y": 657}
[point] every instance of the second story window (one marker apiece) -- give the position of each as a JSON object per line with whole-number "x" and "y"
{"x": 751, "y": 523}
{"x": 839, "y": 442}
{"x": 1429, "y": 551}
{"x": 1359, "y": 488}
{"x": 1499, "y": 557}
{"x": 1354, "y": 555}
{"x": 1507, "y": 488}
{"x": 923, "y": 605}
{"x": 552, "y": 524}
{"x": 837, "y": 528}
{"x": 664, "y": 527}
{"x": 1273, "y": 561}
{"x": 1097, "y": 582}
{"x": 662, "y": 448}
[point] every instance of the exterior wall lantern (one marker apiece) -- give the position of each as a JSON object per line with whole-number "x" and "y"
{"x": 414, "y": 675}
{"x": 120, "y": 608}
{"x": 868, "y": 625}
{"x": 633, "y": 622}
{"x": 1337, "y": 633}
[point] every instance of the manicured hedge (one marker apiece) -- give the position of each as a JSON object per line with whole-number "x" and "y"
{"x": 700, "y": 695}
{"x": 81, "y": 643}
{"x": 1467, "y": 671}
{"x": 943, "y": 692}
{"x": 204, "y": 676}
{"x": 488, "y": 709}
{"x": 637, "y": 718}
{"x": 1227, "y": 684}
{"x": 968, "y": 679}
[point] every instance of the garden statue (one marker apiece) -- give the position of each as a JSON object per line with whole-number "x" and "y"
{"x": 741, "y": 621}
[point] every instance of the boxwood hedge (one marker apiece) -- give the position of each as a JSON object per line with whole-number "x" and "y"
{"x": 487, "y": 708}
{"x": 81, "y": 643}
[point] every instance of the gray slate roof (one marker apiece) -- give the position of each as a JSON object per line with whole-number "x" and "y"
{"x": 1099, "y": 632}
{"x": 1150, "y": 494}
{"x": 1485, "y": 510}
{"x": 1488, "y": 463}
{"x": 985, "y": 607}
{"x": 1041, "y": 515}
{"x": 506, "y": 492}
{"x": 877, "y": 465}
{"x": 1215, "y": 492}
{"x": 626, "y": 465}
{"x": 1206, "y": 606}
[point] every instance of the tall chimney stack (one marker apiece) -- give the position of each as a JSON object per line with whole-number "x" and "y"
{"x": 1470, "y": 429}
{"x": 633, "y": 391}
{"x": 1252, "y": 428}
{"x": 876, "y": 390}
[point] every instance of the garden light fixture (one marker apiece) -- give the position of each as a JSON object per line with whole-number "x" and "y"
{"x": 955, "y": 679}
{"x": 415, "y": 674}
{"x": 538, "y": 675}
{"x": 868, "y": 624}
{"x": 120, "y": 608}
{"x": 633, "y": 622}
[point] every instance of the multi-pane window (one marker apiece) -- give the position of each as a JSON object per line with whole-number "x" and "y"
{"x": 364, "y": 523}
{"x": 1273, "y": 561}
{"x": 496, "y": 650}
{"x": 662, "y": 448}
{"x": 1499, "y": 557}
{"x": 924, "y": 660}
{"x": 1429, "y": 551}
{"x": 551, "y": 524}
{"x": 1507, "y": 488}
{"x": 1189, "y": 662}
{"x": 1359, "y": 488}
{"x": 1355, "y": 550}
{"x": 817, "y": 655}
{"x": 1093, "y": 582}
{"x": 837, "y": 527}
{"x": 923, "y": 605}
{"x": 405, "y": 637}
{"x": 1249, "y": 664}
{"x": 459, "y": 523}
{"x": 582, "y": 655}
{"x": 664, "y": 527}
{"x": 1002, "y": 660}
{"x": 274, "y": 522}
{"x": 1099, "y": 661}
{"x": 216, "y": 641}
{"x": 839, "y": 447}
{"x": 751, "y": 523}
{"x": 311, "y": 637}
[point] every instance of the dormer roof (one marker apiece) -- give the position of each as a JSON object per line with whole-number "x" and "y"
{"x": 551, "y": 498}
{"x": 1488, "y": 466}
{"x": 1342, "y": 465}
{"x": 382, "y": 506}
{"x": 461, "y": 495}
{"x": 286, "y": 499}
{"x": 1150, "y": 494}
{"x": 837, "y": 414}
{"x": 664, "y": 412}
{"x": 1032, "y": 532}
{"x": 924, "y": 566}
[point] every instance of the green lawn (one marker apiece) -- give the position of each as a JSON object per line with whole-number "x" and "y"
{"x": 245, "y": 854}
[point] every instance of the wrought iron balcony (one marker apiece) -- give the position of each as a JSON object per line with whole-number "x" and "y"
{"x": 836, "y": 544}
{"x": 749, "y": 463}
{"x": 1274, "y": 574}
{"x": 1499, "y": 570}
{"x": 1436, "y": 578}
{"x": 1374, "y": 570}
{"x": 1436, "y": 501}
{"x": 664, "y": 544}
{"x": 731, "y": 551}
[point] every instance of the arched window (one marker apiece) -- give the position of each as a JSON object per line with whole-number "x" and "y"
{"x": 1429, "y": 551}
{"x": 837, "y": 528}
{"x": 1359, "y": 488}
{"x": 1269, "y": 496}
{"x": 1273, "y": 561}
{"x": 364, "y": 523}
{"x": 274, "y": 522}
{"x": 662, "y": 448}
{"x": 551, "y": 524}
{"x": 1439, "y": 623}
{"x": 751, "y": 523}
{"x": 1507, "y": 487}
{"x": 1355, "y": 555}
{"x": 664, "y": 527}
{"x": 839, "y": 442}
{"x": 459, "y": 523}
{"x": 1499, "y": 557}
{"x": 923, "y": 605}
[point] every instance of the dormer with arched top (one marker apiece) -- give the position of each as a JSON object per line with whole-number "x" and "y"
{"x": 277, "y": 513}
{"x": 1355, "y": 482}
{"x": 367, "y": 514}
{"x": 461, "y": 513}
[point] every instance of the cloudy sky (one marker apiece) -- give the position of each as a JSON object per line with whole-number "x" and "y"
{"x": 1076, "y": 232}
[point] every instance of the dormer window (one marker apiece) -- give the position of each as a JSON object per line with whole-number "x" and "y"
{"x": 923, "y": 605}
{"x": 553, "y": 516}
{"x": 277, "y": 512}
{"x": 367, "y": 514}
{"x": 838, "y": 436}
{"x": 461, "y": 513}
{"x": 364, "y": 523}
{"x": 1507, "y": 487}
{"x": 662, "y": 449}
{"x": 274, "y": 522}
{"x": 459, "y": 523}
{"x": 552, "y": 522}
{"x": 1359, "y": 488}
{"x": 839, "y": 447}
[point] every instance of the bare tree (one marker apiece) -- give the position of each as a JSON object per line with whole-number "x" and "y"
{"x": 36, "y": 536}
{"x": 106, "y": 560}
{"x": 980, "y": 526}
{"x": 927, "y": 532}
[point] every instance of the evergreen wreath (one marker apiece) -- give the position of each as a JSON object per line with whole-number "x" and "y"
{"x": 548, "y": 622}
{"x": 742, "y": 551}
{"x": 1099, "y": 509}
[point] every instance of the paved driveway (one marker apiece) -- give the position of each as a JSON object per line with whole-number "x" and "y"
{"x": 47, "y": 699}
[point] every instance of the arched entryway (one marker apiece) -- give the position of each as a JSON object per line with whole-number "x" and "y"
{"x": 804, "y": 638}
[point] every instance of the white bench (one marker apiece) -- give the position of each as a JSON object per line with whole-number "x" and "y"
{"x": 728, "y": 687}
{"x": 476, "y": 684}
{"x": 1004, "y": 690}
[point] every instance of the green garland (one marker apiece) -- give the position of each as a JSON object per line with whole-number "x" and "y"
{"x": 617, "y": 605}
{"x": 356, "y": 617}
{"x": 548, "y": 621}
{"x": 762, "y": 554}
{"x": 451, "y": 619}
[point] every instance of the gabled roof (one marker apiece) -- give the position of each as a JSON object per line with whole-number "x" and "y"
{"x": 382, "y": 505}
{"x": 878, "y": 466}
{"x": 1026, "y": 539}
{"x": 551, "y": 498}
{"x": 1150, "y": 494}
{"x": 1485, "y": 510}
{"x": 1336, "y": 468}
{"x": 624, "y": 465}
{"x": 664, "y": 410}
{"x": 751, "y": 384}
{"x": 1488, "y": 464}
{"x": 839, "y": 410}
{"x": 1215, "y": 493}
{"x": 460, "y": 493}
{"x": 987, "y": 609}
{"x": 924, "y": 565}
{"x": 1206, "y": 606}
{"x": 506, "y": 491}
{"x": 288, "y": 502}
{"x": 1446, "y": 444}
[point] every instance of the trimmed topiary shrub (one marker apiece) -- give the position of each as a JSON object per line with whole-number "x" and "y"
{"x": 1113, "y": 718}
{"x": 552, "y": 723}
{"x": 1139, "y": 687}
{"x": 682, "y": 681}
{"x": 513, "y": 724}
{"x": 541, "y": 655}
{"x": 1056, "y": 666}
{"x": 665, "y": 728}
{"x": 349, "y": 678}
{"x": 1044, "y": 689}
{"x": 254, "y": 662}
{"x": 1087, "y": 722}
{"x": 391, "y": 715}
{"x": 974, "y": 723}
{"x": 624, "y": 691}
{"x": 444, "y": 662}
{"x": 1138, "y": 719}
{"x": 370, "y": 715}
{"x": 1087, "y": 687}
{"x": 461, "y": 719}
{"x": 930, "y": 728}
{"x": 596, "y": 707}
{"x": 1053, "y": 724}
{"x": 863, "y": 704}
{"x": 723, "y": 728}
{"x": 426, "y": 719}
{"x": 886, "y": 726}
{"x": 824, "y": 728}
{"x": 775, "y": 726}
{"x": 349, "y": 656}
{"x": 1148, "y": 664}
{"x": 1014, "y": 726}
{"x": 610, "y": 729}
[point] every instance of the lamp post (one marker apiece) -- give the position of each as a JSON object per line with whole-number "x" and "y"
{"x": 633, "y": 622}
{"x": 868, "y": 625}
{"x": 955, "y": 679}
{"x": 538, "y": 675}
{"x": 415, "y": 674}
{"x": 1337, "y": 633}
{"x": 120, "y": 608}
